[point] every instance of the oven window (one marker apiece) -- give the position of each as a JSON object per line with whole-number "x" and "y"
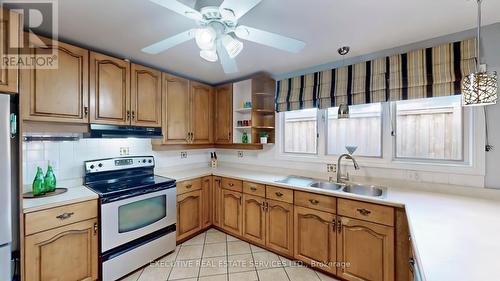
{"x": 142, "y": 213}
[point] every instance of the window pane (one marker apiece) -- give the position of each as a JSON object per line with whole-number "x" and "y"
{"x": 363, "y": 129}
{"x": 142, "y": 213}
{"x": 430, "y": 128}
{"x": 300, "y": 131}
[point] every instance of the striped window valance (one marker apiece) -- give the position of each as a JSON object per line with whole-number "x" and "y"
{"x": 431, "y": 72}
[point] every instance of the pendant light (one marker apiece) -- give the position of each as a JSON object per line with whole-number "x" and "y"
{"x": 479, "y": 88}
{"x": 343, "y": 112}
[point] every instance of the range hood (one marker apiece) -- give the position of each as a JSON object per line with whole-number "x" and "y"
{"x": 116, "y": 131}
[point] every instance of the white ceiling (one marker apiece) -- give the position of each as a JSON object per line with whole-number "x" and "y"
{"x": 123, "y": 27}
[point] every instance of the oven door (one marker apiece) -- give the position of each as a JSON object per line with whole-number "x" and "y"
{"x": 125, "y": 220}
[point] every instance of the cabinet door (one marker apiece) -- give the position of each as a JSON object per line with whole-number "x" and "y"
{"x": 201, "y": 113}
{"x": 109, "y": 90}
{"x": 145, "y": 96}
{"x": 315, "y": 238}
{"x": 231, "y": 212}
{"x": 279, "y": 227}
{"x": 206, "y": 190}
{"x": 60, "y": 94}
{"x": 10, "y": 24}
{"x": 224, "y": 114}
{"x": 65, "y": 253}
{"x": 369, "y": 249}
{"x": 175, "y": 109}
{"x": 217, "y": 202}
{"x": 254, "y": 219}
{"x": 189, "y": 208}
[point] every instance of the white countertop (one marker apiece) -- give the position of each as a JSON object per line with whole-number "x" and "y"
{"x": 73, "y": 195}
{"x": 455, "y": 236}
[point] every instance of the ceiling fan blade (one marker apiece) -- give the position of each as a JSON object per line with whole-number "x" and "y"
{"x": 170, "y": 42}
{"x": 269, "y": 39}
{"x": 228, "y": 64}
{"x": 179, "y": 8}
{"x": 238, "y": 7}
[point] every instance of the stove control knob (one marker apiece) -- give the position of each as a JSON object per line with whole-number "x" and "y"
{"x": 143, "y": 160}
{"x": 99, "y": 165}
{"x": 92, "y": 167}
{"x": 150, "y": 161}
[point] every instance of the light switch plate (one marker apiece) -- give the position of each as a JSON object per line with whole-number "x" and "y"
{"x": 184, "y": 154}
{"x": 240, "y": 154}
{"x": 331, "y": 168}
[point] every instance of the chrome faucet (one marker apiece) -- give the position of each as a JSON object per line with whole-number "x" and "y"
{"x": 341, "y": 178}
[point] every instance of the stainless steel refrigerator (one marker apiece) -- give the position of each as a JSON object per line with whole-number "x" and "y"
{"x": 5, "y": 189}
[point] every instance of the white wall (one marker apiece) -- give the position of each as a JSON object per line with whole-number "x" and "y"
{"x": 67, "y": 157}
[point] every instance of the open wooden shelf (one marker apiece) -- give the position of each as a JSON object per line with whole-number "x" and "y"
{"x": 243, "y": 146}
{"x": 263, "y": 127}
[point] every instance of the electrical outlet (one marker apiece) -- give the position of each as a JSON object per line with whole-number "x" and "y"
{"x": 331, "y": 168}
{"x": 184, "y": 154}
{"x": 124, "y": 151}
{"x": 240, "y": 154}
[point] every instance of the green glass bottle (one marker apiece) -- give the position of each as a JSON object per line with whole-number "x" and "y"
{"x": 50, "y": 180}
{"x": 38, "y": 183}
{"x": 244, "y": 137}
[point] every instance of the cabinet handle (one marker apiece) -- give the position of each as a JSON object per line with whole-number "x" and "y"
{"x": 229, "y": 135}
{"x": 314, "y": 201}
{"x": 95, "y": 228}
{"x": 86, "y": 111}
{"x": 334, "y": 225}
{"x": 231, "y": 184}
{"x": 279, "y": 194}
{"x": 65, "y": 216}
{"x": 133, "y": 114}
{"x": 339, "y": 226}
{"x": 364, "y": 212}
{"x": 253, "y": 188}
{"x": 189, "y": 185}
{"x": 192, "y": 137}
{"x": 128, "y": 115}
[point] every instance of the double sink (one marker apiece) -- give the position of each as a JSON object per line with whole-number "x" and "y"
{"x": 359, "y": 189}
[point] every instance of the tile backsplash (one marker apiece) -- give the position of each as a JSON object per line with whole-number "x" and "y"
{"x": 67, "y": 157}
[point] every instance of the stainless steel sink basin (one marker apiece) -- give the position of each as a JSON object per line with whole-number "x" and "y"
{"x": 326, "y": 185}
{"x": 365, "y": 190}
{"x": 296, "y": 180}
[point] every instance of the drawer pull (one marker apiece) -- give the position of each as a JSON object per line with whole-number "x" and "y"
{"x": 314, "y": 201}
{"x": 189, "y": 186}
{"x": 65, "y": 216}
{"x": 253, "y": 188}
{"x": 279, "y": 194}
{"x": 231, "y": 184}
{"x": 364, "y": 212}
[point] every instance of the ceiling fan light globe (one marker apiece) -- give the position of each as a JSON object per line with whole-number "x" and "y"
{"x": 232, "y": 45}
{"x": 205, "y": 38}
{"x": 209, "y": 55}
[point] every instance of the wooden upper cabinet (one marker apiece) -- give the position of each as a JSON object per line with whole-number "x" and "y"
{"x": 254, "y": 219}
{"x": 201, "y": 113}
{"x": 109, "y": 90}
{"x": 65, "y": 253}
{"x": 231, "y": 215}
{"x": 369, "y": 249}
{"x": 175, "y": 109}
{"x": 279, "y": 227}
{"x": 315, "y": 238}
{"x": 145, "y": 96}
{"x": 10, "y": 26}
{"x": 224, "y": 114}
{"x": 60, "y": 94}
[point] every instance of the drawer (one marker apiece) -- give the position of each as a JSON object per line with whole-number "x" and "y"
{"x": 316, "y": 201}
{"x": 187, "y": 186}
{"x": 55, "y": 217}
{"x": 254, "y": 189}
{"x": 232, "y": 184}
{"x": 366, "y": 211}
{"x": 279, "y": 194}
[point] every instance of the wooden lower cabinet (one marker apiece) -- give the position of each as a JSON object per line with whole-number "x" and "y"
{"x": 206, "y": 193}
{"x": 368, "y": 248}
{"x": 315, "y": 238}
{"x": 231, "y": 215}
{"x": 65, "y": 253}
{"x": 254, "y": 219}
{"x": 279, "y": 227}
{"x": 189, "y": 220}
{"x": 217, "y": 201}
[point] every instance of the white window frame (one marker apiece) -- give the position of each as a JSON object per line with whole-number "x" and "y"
{"x": 474, "y": 154}
{"x": 281, "y": 141}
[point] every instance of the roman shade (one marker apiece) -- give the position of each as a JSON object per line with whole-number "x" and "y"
{"x": 424, "y": 73}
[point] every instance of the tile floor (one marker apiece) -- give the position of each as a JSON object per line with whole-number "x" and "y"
{"x": 215, "y": 256}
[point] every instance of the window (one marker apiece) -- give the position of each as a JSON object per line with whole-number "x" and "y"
{"x": 300, "y": 131}
{"x": 429, "y": 128}
{"x": 363, "y": 129}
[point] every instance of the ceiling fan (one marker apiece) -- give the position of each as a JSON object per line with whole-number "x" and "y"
{"x": 218, "y": 31}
